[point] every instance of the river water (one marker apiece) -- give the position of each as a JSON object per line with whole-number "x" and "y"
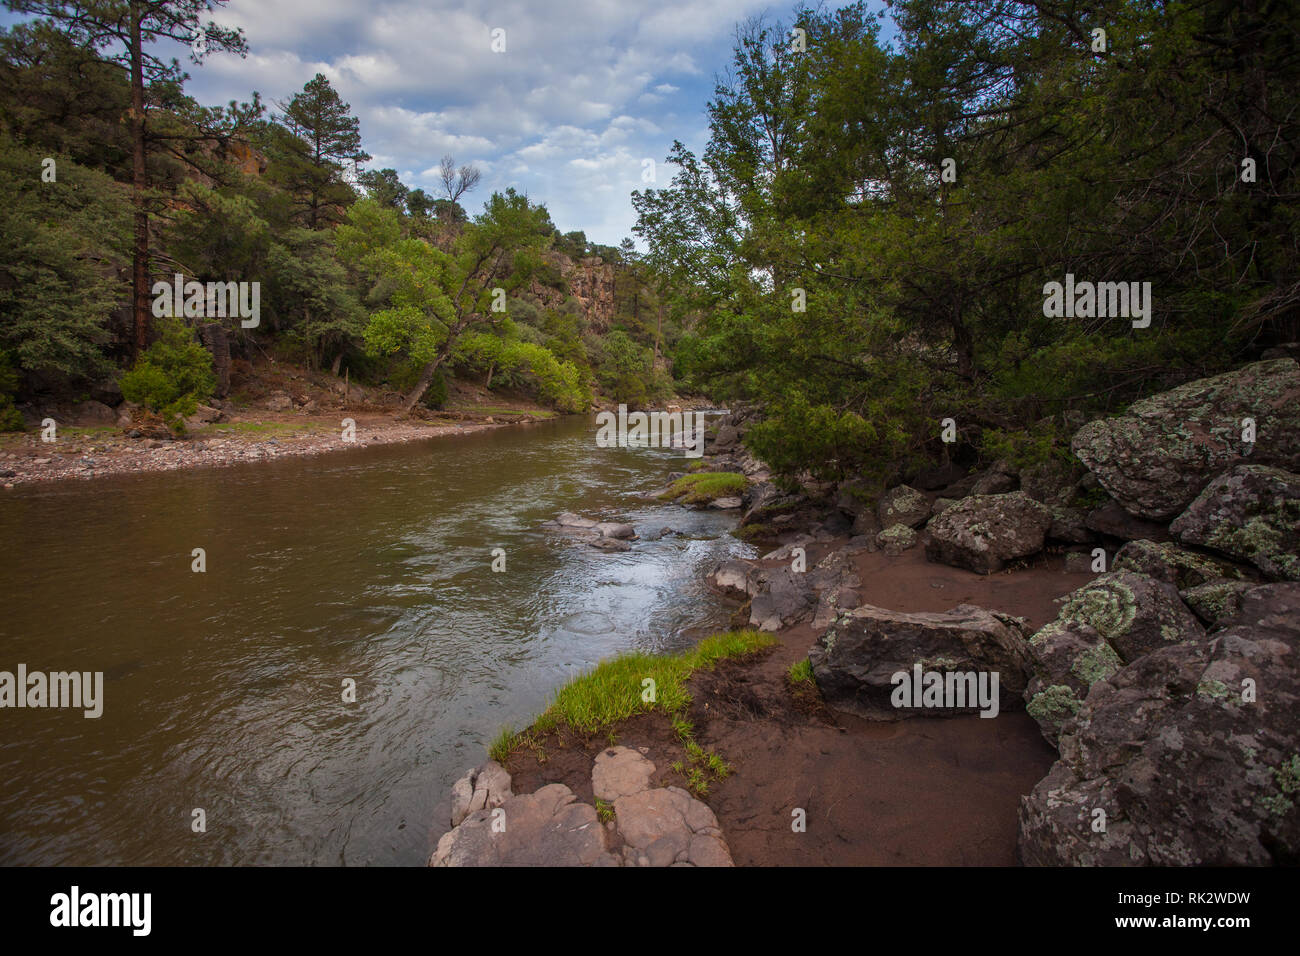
{"x": 223, "y": 690}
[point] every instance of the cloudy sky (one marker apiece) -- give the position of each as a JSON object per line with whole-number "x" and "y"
{"x": 584, "y": 92}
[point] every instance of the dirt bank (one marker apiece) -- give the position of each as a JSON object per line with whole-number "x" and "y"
{"x": 922, "y": 791}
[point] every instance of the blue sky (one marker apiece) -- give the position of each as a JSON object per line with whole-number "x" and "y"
{"x": 585, "y": 91}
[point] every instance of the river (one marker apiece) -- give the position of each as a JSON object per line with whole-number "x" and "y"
{"x": 223, "y": 690}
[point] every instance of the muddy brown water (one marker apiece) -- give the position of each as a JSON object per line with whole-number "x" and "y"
{"x": 223, "y": 690}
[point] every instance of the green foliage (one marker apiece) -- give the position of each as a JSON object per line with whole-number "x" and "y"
{"x": 172, "y": 376}
{"x": 62, "y": 248}
{"x": 10, "y": 418}
{"x": 704, "y": 486}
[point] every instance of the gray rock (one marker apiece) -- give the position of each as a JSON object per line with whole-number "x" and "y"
{"x": 855, "y": 660}
{"x": 983, "y": 532}
{"x": 726, "y": 504}
{"x": 546, "y": 828}
{"x": 785, "y": 599}
{"x": 1070, "y": 525}
{"x": 1252, "y": 514}
{"x": 94, "y": 413}
{"x": 1158, "y": 457}
{"x": 620, "y": 772}
{"x": 667, "y": 825}
{"x": 1109, "y": 622}
{"x": 615, "y": 529}
{"x": 1172, "y": 564}
{"x": 1110, "y": 519}
{"x": 278, "y": 402}
{"x": 896, "y": 539}
{"x": 570, "y": 520}
{"x": 487, "y": 787}
{"x": 1188, "y": 769}
{"x": 999, "y": 479}
{"x": 903, "y": 505}
{"x": 1217, "y": 603}
{"x": 735, "y": 578}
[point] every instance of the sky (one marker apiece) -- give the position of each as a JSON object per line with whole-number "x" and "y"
{"x": 585, "y": 92}
{"x": 584, "y": 95}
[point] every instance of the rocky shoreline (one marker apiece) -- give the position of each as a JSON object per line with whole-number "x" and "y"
{"x": 1143, "y": 614}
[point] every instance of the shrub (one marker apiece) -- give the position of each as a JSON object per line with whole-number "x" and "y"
{"x": 172, "y": 375}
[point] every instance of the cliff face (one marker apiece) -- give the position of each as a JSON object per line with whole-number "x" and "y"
{"x": 590, "y": 281}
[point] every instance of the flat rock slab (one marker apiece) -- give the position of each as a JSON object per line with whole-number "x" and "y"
{"x": 666, "y": 827}
{"x": 620, "y": 772}
{"x": 546, "y": 828}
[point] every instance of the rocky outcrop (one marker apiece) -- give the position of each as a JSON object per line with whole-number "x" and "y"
{"x": 650, "y": 826}
{"x": 855, "y": 661}
{"x": 785, "y": 598}
{"x": 1102, "y": 626}
{"x": 604, "y": 535}
{"x": 984, "y": 532}
{"x": 589, "y": 281}
{"x": 1186, "y": 757}
{"x": 1158, "y": 457}
{"x": 1252, "y": 514}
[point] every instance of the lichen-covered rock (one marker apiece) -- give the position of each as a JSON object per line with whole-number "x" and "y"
{"x": 984, "y": 532}
{"x": 1252, "y": 514}
{"x": 903, "y": 505}
{"x": 1102, "y": 626}
{"x": 856, "y": 658}
{"x": 1189, "y": 756}
{"x": 1157, "y": 458}
{"x": 1217, "y": 602}
{"x": 1172, "y": 564}
{"x": 896, "y": 539}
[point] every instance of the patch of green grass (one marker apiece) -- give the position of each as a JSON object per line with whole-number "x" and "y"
{"x": 604, "y": 810}
{"x": 503, "y": 745}
{"x": 800, "y": 671}
{"x": 705, "y": 486}
{"x": 616, "y": 690}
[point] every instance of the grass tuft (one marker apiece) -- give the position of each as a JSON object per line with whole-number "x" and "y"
{"x": 705, "y": 486}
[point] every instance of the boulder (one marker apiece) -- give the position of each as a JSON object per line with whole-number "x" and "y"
{"x": 1171, "y": 564}
{"x": 1112, "y": 520}
{"x": 1158, "y": 457}
{"x": 896, "y": 539}
{"x": 487, "y": 787}
{"x": 999, "y": 479}
{"x": 93, "y": 413}
{"x": 278, "y": 402}
{"x": 1218, "y": 602}
{"x": 855, "y": 661}
{"x": 735, "y": 578}
{"x": 785, "y": 598}
{"x": 1109, "y": 622}
{"x": 615, "y": 529}
{"x": 1069, "y": 525}
{"x": 667, "y": 826}
{"x": 620, "y": 772}
{"x": 1187, "y": 765}
{"x": 983, "y": 532}
{"x": 903, "y": 505}
{"x": 546, "y": 828}
{"x": 1252, "y": 514}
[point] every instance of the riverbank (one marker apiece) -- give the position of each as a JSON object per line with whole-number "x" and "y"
{"x": 1122, "y": 652}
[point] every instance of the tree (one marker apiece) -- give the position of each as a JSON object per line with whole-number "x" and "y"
{"x": 456, "y": 182}
{"x": 332, "y": 136}
{"x": 123, "y": 29}
{"x": 435, "y": 296}
{"x": 385, "y": 188}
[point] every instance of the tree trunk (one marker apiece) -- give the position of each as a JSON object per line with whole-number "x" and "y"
{"x": 140, "y": 252}
{"x": 338, "y": 360}
{"x": 214, "y": 337}
{"x": 422, "y": 386}
{"x": 491, "y": 368}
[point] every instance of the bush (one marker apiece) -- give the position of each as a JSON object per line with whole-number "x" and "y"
{"x": 172, "y": 375}
{"x": 10, "y": 418}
